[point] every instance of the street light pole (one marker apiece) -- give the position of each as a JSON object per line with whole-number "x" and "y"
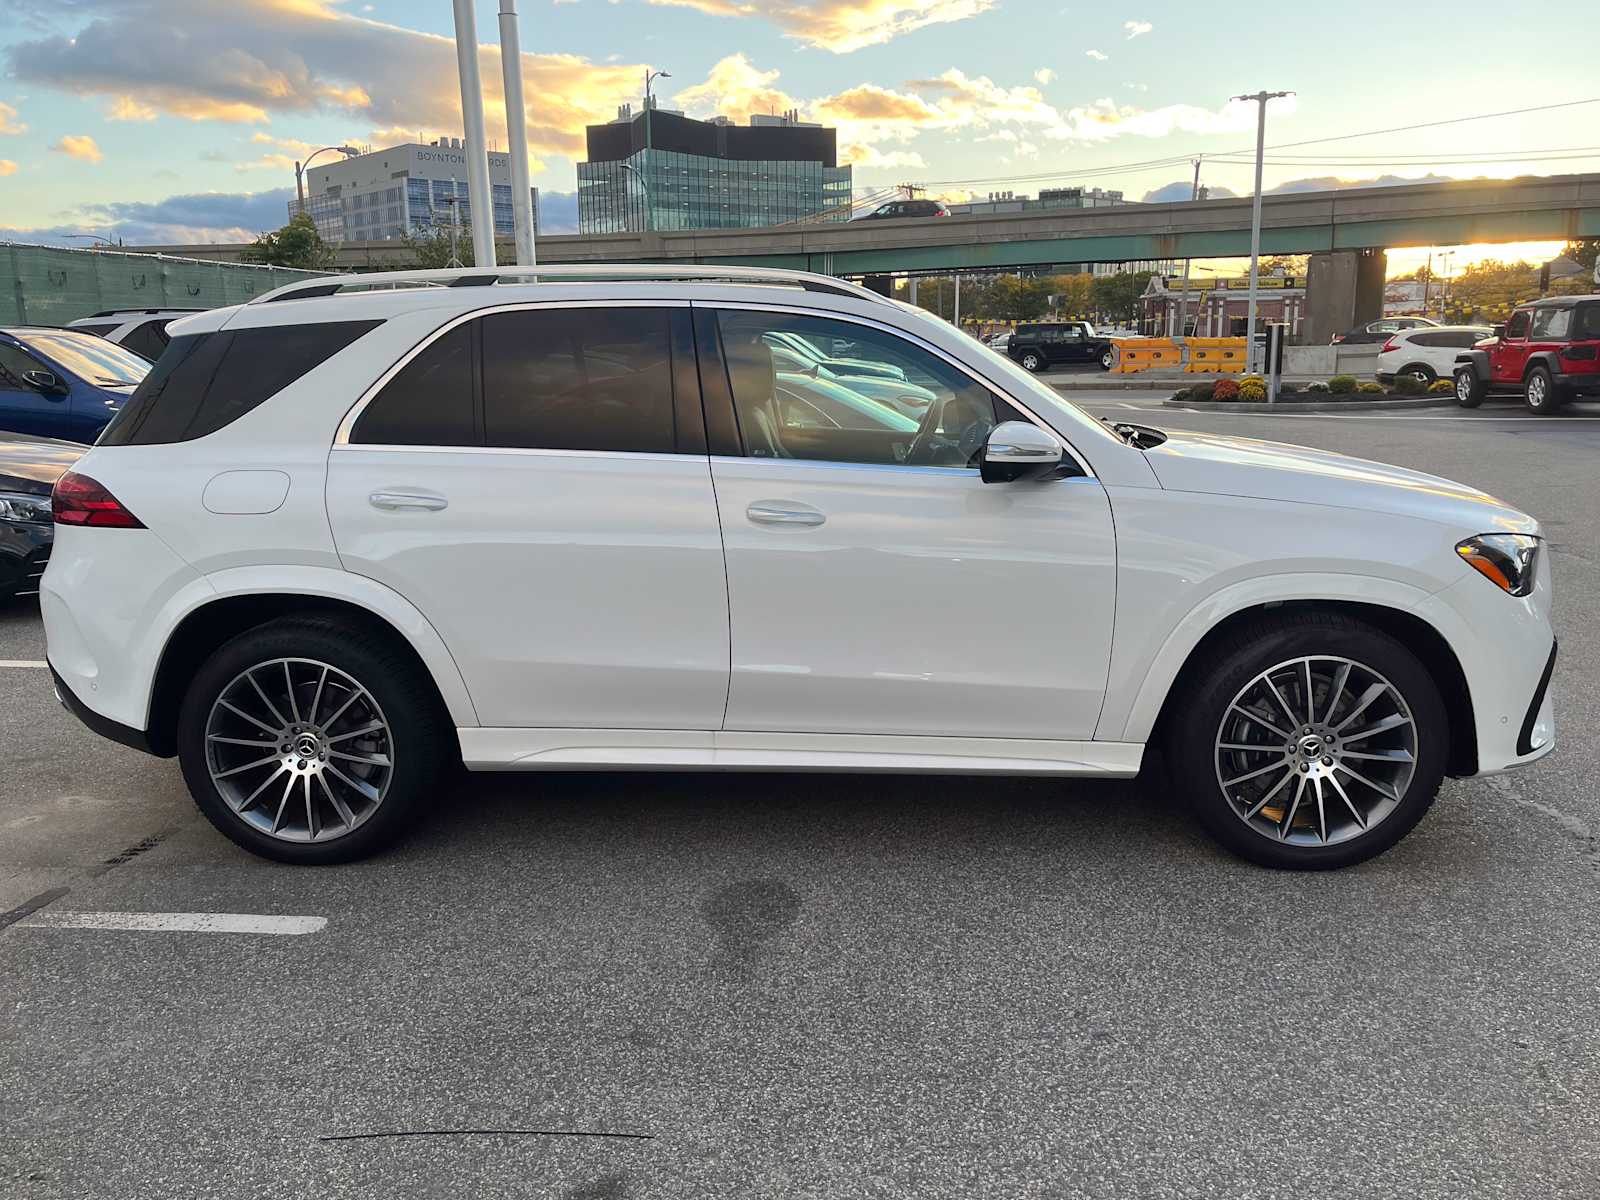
{"x": 1261, "y": 99}
{"x": 644, "y": 188}
{"x": 522, "y": 217}
{"x": 477, "y": 149}
{"x": 649, "y": 78}
{"x": 300, "y": 170}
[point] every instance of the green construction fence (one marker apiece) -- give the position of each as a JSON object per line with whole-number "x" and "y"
{"x": 50, "y": 285}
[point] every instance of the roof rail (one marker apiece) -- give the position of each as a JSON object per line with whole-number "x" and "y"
{"x": 582, "y": 272}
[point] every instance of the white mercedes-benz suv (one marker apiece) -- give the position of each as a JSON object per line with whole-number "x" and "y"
{"x": 365, "y": 528}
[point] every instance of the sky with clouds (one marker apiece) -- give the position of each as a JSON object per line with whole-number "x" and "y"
{"x": 180, "y": 120}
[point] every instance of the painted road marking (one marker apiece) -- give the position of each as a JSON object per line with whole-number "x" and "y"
{"x": 37, "y": 664}
{"x": 174, "y": 922}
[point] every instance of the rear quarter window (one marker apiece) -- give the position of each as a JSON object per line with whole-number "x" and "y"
{"x": 1586, "y": 321}
{"x": 204, "y": 382}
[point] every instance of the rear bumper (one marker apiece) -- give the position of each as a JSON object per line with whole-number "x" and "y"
{"x": 104, "y": 726}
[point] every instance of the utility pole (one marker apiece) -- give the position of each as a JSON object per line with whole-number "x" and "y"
{"x": 522, "y": 218}
{"x": 1261, "y": 98}
{"x": 476, "y": 148}
{"x": 1183, "y": 304}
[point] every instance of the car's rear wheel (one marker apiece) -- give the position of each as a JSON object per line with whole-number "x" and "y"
{"x": 1031, "y": 361}
{"x": 1469, "y": 389}
{"x": 1540, "y": 392}
{"x": 1108, "y": 359}
{"x": 309, "y": 740}
{"x": 1309, "y": 741}
{"x": 1422, "y": 371}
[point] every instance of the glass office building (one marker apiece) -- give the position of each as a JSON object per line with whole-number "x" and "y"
{"x": 709, "y": 174}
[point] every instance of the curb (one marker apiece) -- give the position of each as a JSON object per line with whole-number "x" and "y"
{"x": 1312, "y": 406}
{"x": 1129, "y": 383}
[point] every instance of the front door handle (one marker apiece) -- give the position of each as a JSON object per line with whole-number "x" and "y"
{"x": 398, "y": 500}
{"x": 783, "y": 512}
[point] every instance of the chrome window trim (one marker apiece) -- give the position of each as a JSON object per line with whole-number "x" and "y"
{"x": 342, "y": 436}
{"x": 829, "y": 315}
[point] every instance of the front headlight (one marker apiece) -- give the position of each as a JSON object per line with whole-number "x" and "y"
{"x": 19, "y": 509}
{"x": 1506, "y": 560}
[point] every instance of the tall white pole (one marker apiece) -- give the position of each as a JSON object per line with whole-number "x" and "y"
{"x": 517, "y": 133}
{"x": 477, "y": 149}
{"x": 1252, "y": 359}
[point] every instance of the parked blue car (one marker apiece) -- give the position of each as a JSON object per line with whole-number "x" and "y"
{"x": 60, "y": 383}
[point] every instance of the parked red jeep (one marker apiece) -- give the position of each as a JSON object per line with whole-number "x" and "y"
{"x": 1548, "y": 352}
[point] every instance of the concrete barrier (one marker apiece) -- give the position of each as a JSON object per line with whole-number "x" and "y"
{"x": 1141, "y": 354}
{"x": 1215, "y": 356}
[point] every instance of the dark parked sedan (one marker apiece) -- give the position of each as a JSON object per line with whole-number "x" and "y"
{"x": 1381, "y": 331}
{"x": 29, "y": 468}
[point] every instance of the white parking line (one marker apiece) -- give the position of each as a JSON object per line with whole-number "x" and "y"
{"x": 37, "y": 664}
{"x": 174, "y": 922}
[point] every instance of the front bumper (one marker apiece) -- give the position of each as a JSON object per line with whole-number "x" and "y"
{"x": 24, "y": 551}
{"x": 1538, "y": 732}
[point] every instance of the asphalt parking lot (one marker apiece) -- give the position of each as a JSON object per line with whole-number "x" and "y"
{"x": 825, "y": 985}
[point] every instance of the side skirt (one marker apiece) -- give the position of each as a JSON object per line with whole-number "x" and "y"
{"x": 694, "y": 750}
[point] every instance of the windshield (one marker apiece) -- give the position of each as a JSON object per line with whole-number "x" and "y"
{"x": 92, "y": 358}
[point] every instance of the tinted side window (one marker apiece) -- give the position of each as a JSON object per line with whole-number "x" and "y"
{"x": 579, "y": 379}
{"x": 1426, "y": 339}
{"x": 204, "y": 382}
{"x": 1517, "y": 327}
{"x": 1552, "y": 324}
{"x": 1586, "y": 321}
{"x": 15, "y": 362}
{"x": 148, "y": 339}
{"x": 99, "y": 330}
{"x": 429, "y": 401}
{"x": 1462, "y": 339}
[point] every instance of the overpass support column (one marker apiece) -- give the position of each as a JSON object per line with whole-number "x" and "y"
{"x": 1344, "y": 288}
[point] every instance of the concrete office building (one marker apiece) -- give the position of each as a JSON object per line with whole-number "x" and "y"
{"x": 688, "y": 174}
{"x": 407, "y": 190}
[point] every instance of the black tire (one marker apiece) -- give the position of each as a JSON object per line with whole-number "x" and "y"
{"x": 1031, "y": 361}
{"x": 422, "y": 743}
{"x": 1469, "y": 388}
{"x": 1421, "y": 370}
{"x": 1540, "y": 392}
{"x": 1229, "y": 665}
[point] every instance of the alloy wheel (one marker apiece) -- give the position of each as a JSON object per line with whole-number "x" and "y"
{"x": 1536, "y": 390}
{"x": 1463, "y": 386}
{"x": 1316, "y": 751}
{"x": 299, "y": 750}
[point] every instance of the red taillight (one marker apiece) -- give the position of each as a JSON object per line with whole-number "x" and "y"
{"x": 80, "y": 500}
{"x": 1337, "y": 338}
{"x": 1391, "y": 344}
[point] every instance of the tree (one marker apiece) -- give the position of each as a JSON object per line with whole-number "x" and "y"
{"x": 432, "y": 251}
{"x": 1292, "y": 265}
{"x": 1583, "y": 251}
{"x": 1070, "y": 294}
{"x": 1117, "y": 296}
{"x": 297, "y": 244}
{"x": 1008, "y": 298}
{"x": 1488, "y": 291}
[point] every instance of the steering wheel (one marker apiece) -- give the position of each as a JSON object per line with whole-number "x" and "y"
{"x": 929, "y": 444}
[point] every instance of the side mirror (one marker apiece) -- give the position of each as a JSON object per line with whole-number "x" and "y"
{"x": 1499, "y": 333}
{"x": 45, "y": 381}
{"x": 1017, "y": 450}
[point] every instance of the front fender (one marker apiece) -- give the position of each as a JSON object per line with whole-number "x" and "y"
{"x": 1478, "y": 360}
{"x": 1132, "y": 717}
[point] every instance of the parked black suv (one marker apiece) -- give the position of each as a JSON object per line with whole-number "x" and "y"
{"x": 1041, "y": 345}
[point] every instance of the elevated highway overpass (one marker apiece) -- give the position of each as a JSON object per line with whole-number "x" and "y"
{"x": 1339, "y": 229}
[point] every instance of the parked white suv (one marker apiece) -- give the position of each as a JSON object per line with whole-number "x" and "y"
{"x": 142, "y": 330}
{"x": 361, "y": 529}
{"x": 1428, "y": 354}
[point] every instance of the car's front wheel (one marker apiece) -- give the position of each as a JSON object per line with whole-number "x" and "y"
{"x": 1309, "y": 741}
{"x": 310, "y": 740}
{"x": 1469, "y": 389}
{"x": 1031, "y": 361}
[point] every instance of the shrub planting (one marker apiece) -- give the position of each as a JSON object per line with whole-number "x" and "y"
{"x": 1369, "y": 388}
{"x": 1442, "y": 387}
{"x": 1253, "y": 391}
{"x": 1407, "y": 385}
{"x": 1202, "y": 391}
{"x": 1317, "y": 386}
{"x": 1342, "y": 385}
{"x": 1225, "y": 389}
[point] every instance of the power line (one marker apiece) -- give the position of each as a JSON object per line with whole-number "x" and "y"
{"x": 1224, "y": 156}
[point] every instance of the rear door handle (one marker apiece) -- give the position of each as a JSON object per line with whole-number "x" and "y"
{"x": 783, "y": 512}
{"x": 398, "y": 500}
